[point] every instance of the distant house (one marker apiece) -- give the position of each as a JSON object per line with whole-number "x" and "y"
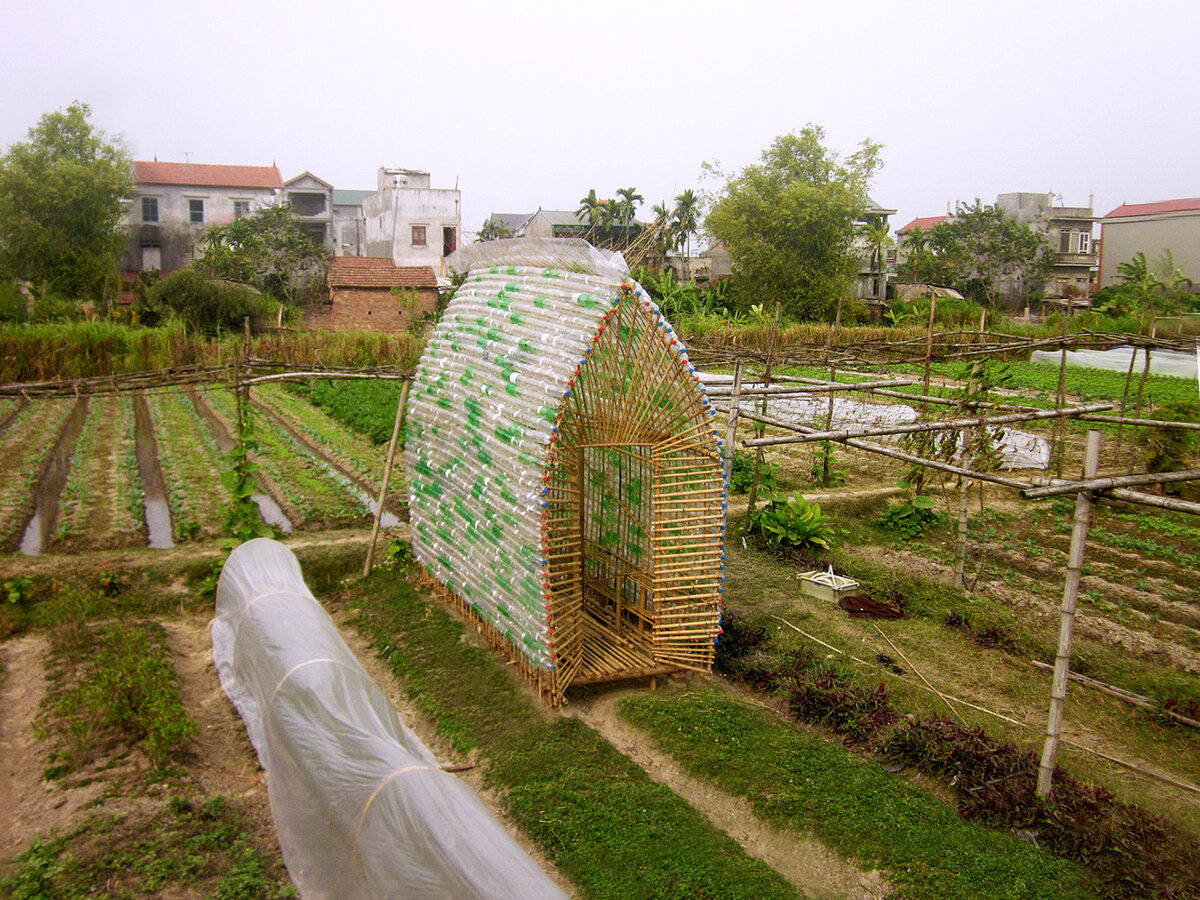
{"x": 172, "y": 204}
{"x": 1151, "y": 228}
{"x": 361, "y": 296}
{"x": 508, "y": 222}
{"x": 1068, "y": 231}
{"x": 871, "y": 280}
{"x": 562, "y": 223}
{"x": 349, "y": 222}
{"x": 411, "y": 223}
{"x": 311, "y": 200}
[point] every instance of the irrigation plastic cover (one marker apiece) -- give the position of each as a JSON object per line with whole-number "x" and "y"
{"x": 361, "y": 806}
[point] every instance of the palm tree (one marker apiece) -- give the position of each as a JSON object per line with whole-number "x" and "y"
{"x": 590, "y": 208}
{"x": 626, "y": 207}
{"x": 664, "y": 232}
{"x": 878, "y": 240}
{"x": 916, "y": 243}
{"x": 686, "y": 221}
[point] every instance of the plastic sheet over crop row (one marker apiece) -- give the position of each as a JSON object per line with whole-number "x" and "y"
{"x": 360, "y": 804}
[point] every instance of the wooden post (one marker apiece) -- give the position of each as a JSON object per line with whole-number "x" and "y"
{"x": 1060, "y": 400}
{"x": 929, "y": 341}
{"x": 731, "y": 433}
{"x": 387, "y": 475}
{"x": 1141, "y": 393}
{"x": 1066, "y": 628}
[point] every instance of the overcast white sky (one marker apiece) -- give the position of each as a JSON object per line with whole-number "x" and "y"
{"x": 528, "y": 104}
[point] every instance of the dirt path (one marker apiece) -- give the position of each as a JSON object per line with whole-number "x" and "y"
{"x": 808, "y": 864}
{"x": 31, "y": 805}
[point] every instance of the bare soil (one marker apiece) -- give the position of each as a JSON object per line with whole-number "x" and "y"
{"x": 221, "y": 761}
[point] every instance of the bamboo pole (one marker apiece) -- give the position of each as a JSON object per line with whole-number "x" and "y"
{"x": 1103, "y": 484}
{"x": 1062, "y": 660}
{"x": 387, "y": 474}
{"x": 1171, "y": 503}
{"x": 929, "y": 341}
{"x": 928, "y": 426}
{"x": 1148, "y": 423}
{"x": 1137, "y": 406}
{"x": 897, "y": 454}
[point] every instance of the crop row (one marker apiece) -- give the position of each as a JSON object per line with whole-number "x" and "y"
{"x": 101, "y": 503}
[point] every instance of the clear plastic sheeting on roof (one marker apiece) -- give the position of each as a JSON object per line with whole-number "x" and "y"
{"x": 561, "y": 254}
{"x": 361, "y": 806}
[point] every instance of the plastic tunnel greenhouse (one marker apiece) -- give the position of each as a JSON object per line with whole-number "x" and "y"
{"x": 361, "y": 807}
{"x": 565, "y": 469}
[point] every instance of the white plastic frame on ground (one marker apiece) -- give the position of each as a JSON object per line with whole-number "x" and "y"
{"x": 360, "y": 804}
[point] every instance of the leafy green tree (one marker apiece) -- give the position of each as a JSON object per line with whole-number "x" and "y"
{"x": 206, "y": 304}
{"x": 789, "y": 223}
{"x": 494, "y": 230}
{"x": 267, "y": 250}
{"x": 60, "y": 205}
{"x": 1148, "y": 290}
{"x": 991, "y": 255}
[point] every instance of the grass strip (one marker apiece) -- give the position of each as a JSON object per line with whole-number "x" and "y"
{"x": 596, "y": 814}
{"x": 812, "y": 785}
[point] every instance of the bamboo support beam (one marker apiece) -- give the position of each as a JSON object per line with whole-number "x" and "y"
{"x": 904, "y": 457}
{"x": 983, "y": 422}
{"x": 1172, "y": 503}
{"x": 1066, "y": 631}
{"x": 1103, "y": 484}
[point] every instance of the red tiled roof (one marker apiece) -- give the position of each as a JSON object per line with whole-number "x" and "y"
{"x": 365, "y": 272}
{"x": 1126, "y": 210}
{"x": 206, "y": 175}
{"x": 925, "y": 224}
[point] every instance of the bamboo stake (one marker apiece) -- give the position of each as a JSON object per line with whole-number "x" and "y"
{"x": 917, "y": 671}
{"x": 1102, "y": 484}
{"x": 1137, "y": 406}
{"x": 929, "y": 426}
{"x": 387, "y": 474}
{"x": 1062, "y": 660}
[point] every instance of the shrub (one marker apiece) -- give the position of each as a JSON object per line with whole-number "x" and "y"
{"x": 910, "y": 519}
{"x": 742, "y": 474}
{"x": 740, "y": 643}
{"x": 207, "y": 305}
{"x": 793, "y": 522}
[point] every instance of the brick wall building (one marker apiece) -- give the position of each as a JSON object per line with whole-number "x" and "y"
{"x": 360, "y": 295}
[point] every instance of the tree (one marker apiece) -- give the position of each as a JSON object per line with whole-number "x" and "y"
{"x": 991, "y": 255}
{"x": 591, "y": 208}
{"x": 60, "y": 205}
{"x": 878, "y": 240}
{"x": 267, "y": 250}
{"x": 789, "y": 223}
{"x": 494, "y": 230}
{"x": 686, "y": 220}
{"x": 626, "y": 207}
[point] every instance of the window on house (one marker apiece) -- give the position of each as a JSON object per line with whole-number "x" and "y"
{"x": 149, "y": 209}
{"x": 196, "y": 211}
{"x": 418, "y": 235}
{"x": 241, "y": 208}
{"x": 449, "y": 241}
{"x": 1064, "y": 241}
{"x": 1085, "y": 242}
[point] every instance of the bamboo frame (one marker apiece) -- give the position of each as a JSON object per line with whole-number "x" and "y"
{"x": 635, "y": 512}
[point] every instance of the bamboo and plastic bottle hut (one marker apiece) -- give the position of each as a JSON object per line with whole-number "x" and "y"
{"x": 565, "y": 468}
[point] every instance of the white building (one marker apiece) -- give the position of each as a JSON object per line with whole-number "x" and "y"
{"x": 413, "y": 223}
{"x": 172, "y": 204}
